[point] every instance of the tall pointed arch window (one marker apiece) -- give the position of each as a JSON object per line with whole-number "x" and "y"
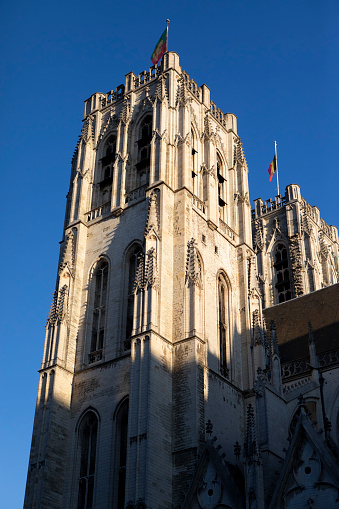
{"x": 223, "y": 325}
{"x": 282, "y": 273}
{"x": 132, "y": 265}
{"x": 100, "y": 284}
{"x": 106, "y": 168}
{"x": 87, "y": 446}
{"x": 194, "y": 156}
{"x": 144, "y": 151}
{"x": 121, "y": 455}
{"x": 221, "y": 187}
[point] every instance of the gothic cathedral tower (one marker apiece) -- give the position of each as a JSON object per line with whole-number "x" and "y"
{"x": 149, "y": 333}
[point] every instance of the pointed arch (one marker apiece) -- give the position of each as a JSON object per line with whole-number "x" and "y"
{"x": 222, "y": 186}
{"x": 97, "y": 309}
{"x": 139, "y": 174}
{"x": 86, "y": 460}
{"x": 281, "y": 272}
{"x": 194, "y": 294}
{"x": 132, "y": 257}
{"x": 224, "y": 323}
{"x": 103, "y": 178}
{"x": 120, "y": 453}
{"x": 195, "y": 178}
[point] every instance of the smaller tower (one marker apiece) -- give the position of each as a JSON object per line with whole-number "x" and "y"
{"x": 297, "y": 252}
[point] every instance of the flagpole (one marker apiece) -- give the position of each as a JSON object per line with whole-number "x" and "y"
{"x": 276, "y": 162}
{"x": 167, "y": 23}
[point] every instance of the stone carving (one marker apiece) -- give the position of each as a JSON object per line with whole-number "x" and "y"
{"x": 238, "y": 152}
{"x": 87, "y": 133}
{"x": 151, "y": 269}
{"x": 242, "y": 198}
{"x": 139, "y": 282}
{"x": 309, "y": 486}
{"x": 210, "y": 491}
{"x": 184, "y": 98}
{"x": 157, "y": 135}
{"x": 193, "y": 268}
{"x": 147, "y": 271}
{"x": 69, "y": 253}
{"x": 152, "y": 222}
{"x": 296, "y": 265}
{"x": 58, "y": 310}
{"x": 209, "y": 171}
{"x": 208, "y": 132}
{"x": 111, "y": 123}
{"x": 258, "y": 235}
{"x": 161, "y": 93}
{"x": 180, "y": 139}
{"x": 251, "y": 450}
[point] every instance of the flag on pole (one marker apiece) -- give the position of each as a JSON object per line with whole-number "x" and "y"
{"x": 272, "y": 167}
{"x": 161, "y": 47}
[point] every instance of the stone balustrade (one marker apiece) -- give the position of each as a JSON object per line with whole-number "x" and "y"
{"x": 94, "y": 356}
{"x": 136, "y": 194}
{"x": 199, "y": 204}
{"x": 98, "y": 211}
{"x": 227, "y": 230}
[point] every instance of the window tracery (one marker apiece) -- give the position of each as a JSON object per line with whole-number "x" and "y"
{"x": 100, "y": 280}
{"x": 282, "y": 273}
{"x": 223, "y": 324}
{"x": 104, "y": 180}
{"x": 132, "y": 266}
{"x": 221, "y": 187}
{"x": 144, "y": 151}
{"x": 121, "y": 454}
{"x": 87, "y": 445}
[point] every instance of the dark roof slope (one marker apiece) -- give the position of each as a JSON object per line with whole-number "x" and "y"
{"x": 291, "y": 318}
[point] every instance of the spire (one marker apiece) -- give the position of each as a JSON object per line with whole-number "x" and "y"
{"x": 151, "y": 269}
{"x": 53, "y": 309}
{"x": 208, "y": 133}
{"x": 275, "y": 349}
{"x": 161, "y": 91}
{"x": 184, "y": 97}
{"x": 251, "y": 450}
{"x": 152, "y": 222}
{"x": 193, "y": 269}
{"x": 125, "y": 115}
{"x": 58, "y": 309}
{"x": 257, "y": 332}
{"x": 139, "y": 281}
{"x": 258, "y": 235}
{"x": 68, "y": 254}
{"x": 87, "y": 133}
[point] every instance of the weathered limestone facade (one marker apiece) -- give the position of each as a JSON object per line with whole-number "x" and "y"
{"x": 156, "y": 347}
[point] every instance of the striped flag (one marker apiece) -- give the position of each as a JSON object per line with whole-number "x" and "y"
{"x": 161, "y": 47}
{"x": 272, "y": 167}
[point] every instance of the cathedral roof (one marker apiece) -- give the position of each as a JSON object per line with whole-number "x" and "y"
{"x": 321, "y": 309}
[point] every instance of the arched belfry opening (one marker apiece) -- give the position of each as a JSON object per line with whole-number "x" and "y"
{"x": 144, "y": 151}
{"x": 103, "y": 179}
{"x": 282, "y": 278}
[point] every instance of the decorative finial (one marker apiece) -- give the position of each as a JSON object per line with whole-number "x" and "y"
{"x": 209, "y": 427}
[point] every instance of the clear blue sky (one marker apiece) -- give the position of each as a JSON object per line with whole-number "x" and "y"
{"x": 273, "y": 64}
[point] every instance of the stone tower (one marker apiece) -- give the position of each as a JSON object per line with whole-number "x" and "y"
{"x": 297, "y": 252}
{"x": 156, "y": 348}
